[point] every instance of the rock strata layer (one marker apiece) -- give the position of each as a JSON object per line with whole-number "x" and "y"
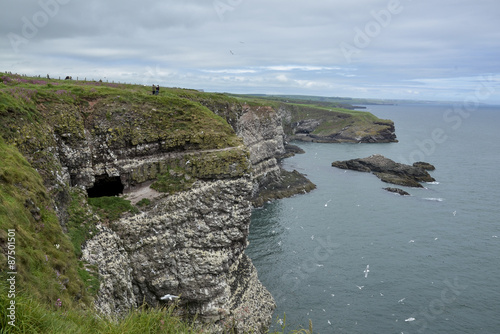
{"x": 261, "y": 129}
{"x": 388, "y": 171}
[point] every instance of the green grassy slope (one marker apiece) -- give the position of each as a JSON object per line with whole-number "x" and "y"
{"x": 45, "y": 262}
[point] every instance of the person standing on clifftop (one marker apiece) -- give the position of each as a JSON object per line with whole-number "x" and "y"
{"x": 157, "y": 89}
{"x": 154, "y": 89}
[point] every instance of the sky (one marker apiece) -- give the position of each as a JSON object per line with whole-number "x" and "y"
{"x": 446, "y": 50}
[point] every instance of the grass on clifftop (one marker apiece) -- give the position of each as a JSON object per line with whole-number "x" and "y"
{"x": 32, "y": 108}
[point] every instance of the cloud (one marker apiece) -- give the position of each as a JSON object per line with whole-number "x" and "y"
{"x": 299, "y": 68}
{"x": 230, "y": 71}
{"x": 424, "y": 49}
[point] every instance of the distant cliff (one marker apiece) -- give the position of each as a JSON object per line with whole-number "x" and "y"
{"x": 326, "y": 120}
{"x": 334, "y": 125}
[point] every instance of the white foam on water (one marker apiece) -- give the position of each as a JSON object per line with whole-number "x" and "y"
{"x": 434, "y": 199}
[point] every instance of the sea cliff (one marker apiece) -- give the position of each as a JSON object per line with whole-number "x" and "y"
{"x": 196, "y": 162}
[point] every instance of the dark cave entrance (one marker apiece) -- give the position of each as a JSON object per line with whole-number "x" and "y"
{"x": 106, "y": 186}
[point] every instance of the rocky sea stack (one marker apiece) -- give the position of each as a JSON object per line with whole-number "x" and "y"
{"x": 389, "y": 171}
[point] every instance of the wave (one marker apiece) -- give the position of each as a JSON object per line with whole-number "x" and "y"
{"x": 434, "y": 199}
{"x": 434, "y": 182}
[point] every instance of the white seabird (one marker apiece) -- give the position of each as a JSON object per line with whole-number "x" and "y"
{"x": 169, "y": 297}
{"x": 367, "y": 270}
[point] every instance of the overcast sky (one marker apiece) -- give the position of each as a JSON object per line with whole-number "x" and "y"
{"x": 416, "y": 49}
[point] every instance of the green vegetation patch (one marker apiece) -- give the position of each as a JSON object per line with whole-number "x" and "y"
{"x": 174, "y": 180}
{"x": 82, "y": 221}
{"x": 44, "y": 259}
{"x": 181, "y": 174}
{"x": 111, "y": 208}
{"x": 176, "y": 123}
{"x": 144, "y": 202}
{"x": 89, "y": 275}
{"x": 220, "y": 164}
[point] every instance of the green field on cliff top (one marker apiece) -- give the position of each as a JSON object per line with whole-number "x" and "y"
{"x": 71, "y": 105}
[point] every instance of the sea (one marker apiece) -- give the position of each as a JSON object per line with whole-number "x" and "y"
{"x": 353, "y": 258}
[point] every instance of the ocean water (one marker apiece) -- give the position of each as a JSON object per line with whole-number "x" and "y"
{"x": 433, "y": 257}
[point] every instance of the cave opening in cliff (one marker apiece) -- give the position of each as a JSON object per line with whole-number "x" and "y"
{"x": 106, "y": 186}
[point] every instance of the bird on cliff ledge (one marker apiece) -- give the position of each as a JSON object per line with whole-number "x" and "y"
{"x": 169, "y": 297}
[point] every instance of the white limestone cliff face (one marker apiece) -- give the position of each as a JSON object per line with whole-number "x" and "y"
{"x": 191, "y": 245}
{"x": 262, "y": 129}
{"x": 262, "y": 132}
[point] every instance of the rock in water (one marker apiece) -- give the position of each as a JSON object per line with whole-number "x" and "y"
{"x": 397, "y": 191}
{"x": 424, "y": 165}
{"x": 389, "y": 171}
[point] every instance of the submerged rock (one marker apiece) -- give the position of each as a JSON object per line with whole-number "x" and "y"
{"x": 388, "y": 171}
{"x": 397, "y": 191}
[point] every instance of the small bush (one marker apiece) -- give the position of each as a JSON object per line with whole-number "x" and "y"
{"x": 144, "y": 202}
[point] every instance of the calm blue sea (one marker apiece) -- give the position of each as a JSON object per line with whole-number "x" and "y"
{"x": 433, "y": 257}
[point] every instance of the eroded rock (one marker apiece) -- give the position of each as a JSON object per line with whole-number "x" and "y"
{"x": 387, "y": 170}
